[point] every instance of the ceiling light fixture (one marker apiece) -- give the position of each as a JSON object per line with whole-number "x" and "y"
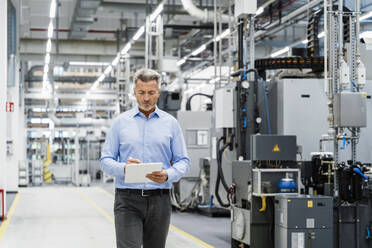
{"x": 181, "y": 62}
{"x": 52, "y": 11}
{"x": 365, "y": 16}
{"x": 50, "y": 29}
{"x": 47, "y": 59}
{"x": 203, "y": 47}
{"x": 280, "y": 52}
{"x": 89, "y": 63}
{"x": 49, "y": 46}
{"x": 128, "y": 46}
{"x": 157, "y": 11}
{"x": 199, "y": 50}
{"x": 139, "y": 33}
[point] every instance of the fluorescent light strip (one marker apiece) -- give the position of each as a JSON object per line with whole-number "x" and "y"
{"x": 49, "y": 46}
{"x": 52, "y": 14}
{"x": 94, "y": 86}
{"x": 108, "y": 70}
{"x": 259, "y": 11}
{"x": 47, "y": 58}
{"x": 203, "y": 47}
{"x": 365, "y": 16}
{"x": 223, "y": 35}
{"x": 100, "y": 78}
{"x": 89, "y": 63}
{"x": 46, "y": 69}
{"x": 116, "y": 60}
{"x": 157, "y": 11}
{"x": 50, "y": 29}
{"x": 52, "y": 11}
{"x": 280, "y": 52}
{"x": 180, "y": 62}
{"x": 139, "y": 33}
{"x": 128, "y": 46}
{"x": 199, "y": 50}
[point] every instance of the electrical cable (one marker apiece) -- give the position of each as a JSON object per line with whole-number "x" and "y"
{"x": 189, "y": 202}
{"x": 188, "y": 103}
{"x": 220, "y": 175}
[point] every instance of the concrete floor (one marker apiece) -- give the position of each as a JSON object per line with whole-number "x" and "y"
{"x": 63, "y": 216}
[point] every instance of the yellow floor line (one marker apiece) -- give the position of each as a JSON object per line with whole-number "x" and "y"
{"x": 100, "y": 210}
{"x": 191, "y": 237}
{"x": 5, "y": 224}
{"x": 171, "y": 226}
{"x": 106, "y": 192}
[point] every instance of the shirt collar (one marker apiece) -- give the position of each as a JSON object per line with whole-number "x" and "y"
{"x": 137, "y": 112}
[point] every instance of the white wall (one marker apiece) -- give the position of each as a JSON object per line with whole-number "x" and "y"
{"x": 3, "y": 86}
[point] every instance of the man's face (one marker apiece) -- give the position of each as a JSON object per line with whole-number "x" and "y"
{"x": 147, "y": 94}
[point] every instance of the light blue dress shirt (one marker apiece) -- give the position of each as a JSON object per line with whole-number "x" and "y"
{"x": 156, "y": 139}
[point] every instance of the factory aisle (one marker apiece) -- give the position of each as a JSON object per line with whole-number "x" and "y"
{"x": 71, "y": 217}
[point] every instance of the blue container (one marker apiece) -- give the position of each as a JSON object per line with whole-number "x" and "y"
{"x": 287, "y": 185}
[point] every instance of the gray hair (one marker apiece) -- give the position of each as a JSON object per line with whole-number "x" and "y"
{"x": 147, "y": 75}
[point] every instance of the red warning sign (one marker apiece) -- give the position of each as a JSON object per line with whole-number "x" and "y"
{"x": 9, "y": 107}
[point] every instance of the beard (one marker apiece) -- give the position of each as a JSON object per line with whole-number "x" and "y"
{"x": 146, "y": 107}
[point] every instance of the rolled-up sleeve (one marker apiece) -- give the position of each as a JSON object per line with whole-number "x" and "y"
{"x": 110, "y": 152}
{"x": 180, "y": 159}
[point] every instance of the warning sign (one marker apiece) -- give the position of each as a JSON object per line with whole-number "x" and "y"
{"x": 276, "y": 148}
{"x": 9, "y": 107}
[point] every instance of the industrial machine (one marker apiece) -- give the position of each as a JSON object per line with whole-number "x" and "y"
{"x": 296, "y": 180}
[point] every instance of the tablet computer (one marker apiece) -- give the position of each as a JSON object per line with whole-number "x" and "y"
{"x": 136, "y": 173}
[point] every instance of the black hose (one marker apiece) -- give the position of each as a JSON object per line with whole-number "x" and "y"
{"x": 188, "y": 103}
{"x": 220, "y": 171}
{"x": 220, "y": 175}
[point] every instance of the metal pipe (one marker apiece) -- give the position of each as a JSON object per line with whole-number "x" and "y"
{"x": 229, "y": 46}
{"x": 204, "y": 15}
{"x": 357, "y": 245}
{"x": 57, "y": 27}
{"x": 214, "y": 41}
{"x": 220, "y": 48}
{"x": 326, "y": 80}
{"x": 299, "y": 11}
{"x": 357, "y": 30}
{"x": 240, "y": 44}
{"x": 251, "y": 44}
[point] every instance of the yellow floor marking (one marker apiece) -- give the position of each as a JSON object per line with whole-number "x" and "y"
{"x": 171, "y": 226}
{"x": 5, "y": 224}
{"x": 106, "y": 192}
{"x": 191, "y": 237}
{"x": 100, "y": 210}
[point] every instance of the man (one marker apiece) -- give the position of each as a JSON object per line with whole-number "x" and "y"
{"x": 144, "y": 134}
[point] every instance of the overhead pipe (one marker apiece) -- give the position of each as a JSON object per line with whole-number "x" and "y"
{"x": 73, "y": 122}
{"x": 204, "y": 15}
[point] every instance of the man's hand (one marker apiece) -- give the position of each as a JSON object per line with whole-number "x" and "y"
{"x": 132, "y": 161}
{"x": 158, "y": 176}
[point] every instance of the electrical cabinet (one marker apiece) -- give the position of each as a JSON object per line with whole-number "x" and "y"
{"x": 350, "y": 109}
{"x": 244, "y": 8}
{"x": 224, "y": 110}
{"x": 303, "y": 221}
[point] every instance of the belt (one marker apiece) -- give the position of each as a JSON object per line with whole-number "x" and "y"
{"x": 144, "y": 192}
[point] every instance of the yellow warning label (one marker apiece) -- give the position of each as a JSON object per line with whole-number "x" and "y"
{"x": 309, "y": 204}
{"x": 364, "y": 94}
{"x": 276, "y": 148}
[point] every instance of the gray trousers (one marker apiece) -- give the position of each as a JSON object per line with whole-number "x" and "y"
{"x": 141, "y": 220}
